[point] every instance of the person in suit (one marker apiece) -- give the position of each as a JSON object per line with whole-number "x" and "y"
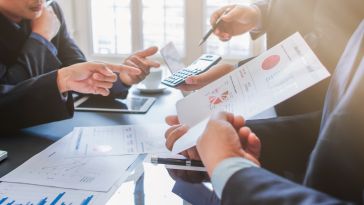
{"x": 231, "y": 149}
{"x": 46, "y": 98}
{"x": 34, "y": 40}
{"x": 320, "y": 22}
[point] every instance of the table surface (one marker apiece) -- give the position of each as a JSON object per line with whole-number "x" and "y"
{"x": 147, "y": 184}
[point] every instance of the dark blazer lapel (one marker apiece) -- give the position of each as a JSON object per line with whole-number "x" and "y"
{"x": 11, "y": 41}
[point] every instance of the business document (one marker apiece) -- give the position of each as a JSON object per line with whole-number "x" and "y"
{"x": 118, "y": 140}
{"x": 278, "y": 74}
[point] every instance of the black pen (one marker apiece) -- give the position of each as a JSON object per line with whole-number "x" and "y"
{"x": 180, "y": 162}
{"x": 214, "y": 26}
{"x": 49, "y": 2}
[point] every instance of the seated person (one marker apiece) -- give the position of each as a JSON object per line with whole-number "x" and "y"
{"x": 34, "y": 40}
{"x": 320, "y": 22}
{"x": 231, "y": 149}
{"x": 46, "y": 98}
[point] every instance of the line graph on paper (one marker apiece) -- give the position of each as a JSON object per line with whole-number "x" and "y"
{"x": 71, "y": 170}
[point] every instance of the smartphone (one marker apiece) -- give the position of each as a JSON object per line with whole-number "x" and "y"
{"x": 199, "y": 66}
{"x": 3, "y": 155}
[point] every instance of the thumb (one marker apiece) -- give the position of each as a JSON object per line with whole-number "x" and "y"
{"x": 233, "y": 14}
{"x": 123, "y": 69}
{"x": 147, "y": 52}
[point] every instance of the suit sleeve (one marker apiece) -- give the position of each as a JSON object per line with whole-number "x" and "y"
{"x": 68, "y": 52}
{"x": 263, "y": 7}
{"x": 35, "y": 58}
{"x": 33, "y": 102}
{"x": 287, "y": 143}
{"x": 258, "y": 186}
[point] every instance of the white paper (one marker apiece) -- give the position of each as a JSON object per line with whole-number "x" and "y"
{"x": 276, "y": 75}
{"x": 172, "y": 58}
{"x": 29, "y": 194}
{"x": 51, "y": 167}
{"x": 118, "y": 140}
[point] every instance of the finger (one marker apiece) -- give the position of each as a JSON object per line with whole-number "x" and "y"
{"x": 102, "y": 91}
{"x": 175, "y": 135}
{"x": 185, "y": 87}
{"x": 254, "y": 145}
{"x": 239, "y": 122}
{"x": 99, "y": 77}
{"x": 147, "y": 52}
{"x": 245, "y": 132}
{"x": 172, "y": 120}
{"x": 131, "y": 63}
{"x": 216, "y": 15}
{"x": 225, "y": 116}
{"x": 102, "y": 84}
{"x": 153, "y": 64}
{"x": 124, "y": 68}
{"x": 210, "y": 75}
{"x": 193, "y": 154}
{"x": 225, "y": 37}
{"x": 234, "y": 13}
{"x": 139, "y": 62}
{"x": 170, "y": 130}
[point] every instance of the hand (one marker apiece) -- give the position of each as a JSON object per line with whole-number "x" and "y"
{"x": 225, "y": 137}
{"x": 239, "y": 20}
{"x": 198, "y": 81}
{"x": 174, "y": 133}
{"x": 139, "y": 60}
{"x": 91, "y": 78}
{"x": 47, "y": 25}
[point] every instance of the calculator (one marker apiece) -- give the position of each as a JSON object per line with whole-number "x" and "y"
{"x": 199, "y": 66}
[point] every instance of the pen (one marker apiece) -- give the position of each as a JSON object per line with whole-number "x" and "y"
{"x": 180, "y": 162}
{"x": 214, "y": 26}
{"x": 49, "y": 2}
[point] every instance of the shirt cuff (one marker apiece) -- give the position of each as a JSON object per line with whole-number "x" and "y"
{"x": 45, "y": 42}
{"x": 225, "y": 170}
{"x": 259, "y": 26}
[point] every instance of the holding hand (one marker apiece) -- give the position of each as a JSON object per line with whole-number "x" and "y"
{"x": 139, "y": 60}
{"x": 47, "y": 25}
{"x": 198, "y": 81}
{"x": 238, "y": 20}
{"x": 224, "y": 137}
{"x": 91, "y": 78}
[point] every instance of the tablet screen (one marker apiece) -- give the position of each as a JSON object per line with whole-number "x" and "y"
{"x": 97, "y": 103}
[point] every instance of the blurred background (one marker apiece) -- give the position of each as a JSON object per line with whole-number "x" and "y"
{"x": 109, "y": 30}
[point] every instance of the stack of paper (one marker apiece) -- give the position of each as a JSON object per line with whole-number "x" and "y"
{"x": 84, "y": 167}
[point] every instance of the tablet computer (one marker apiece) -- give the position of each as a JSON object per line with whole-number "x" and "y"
{"x": 106, "y": 104}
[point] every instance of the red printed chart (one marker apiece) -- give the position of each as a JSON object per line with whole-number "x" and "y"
{"x": 271, "y": 62}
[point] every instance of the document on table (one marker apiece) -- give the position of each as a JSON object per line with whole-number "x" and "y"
{"x": 118, "y": 140}
{"x": 278, "y": 74}
{"x": 52, "y": 168}
{"x": 25, "y": 194}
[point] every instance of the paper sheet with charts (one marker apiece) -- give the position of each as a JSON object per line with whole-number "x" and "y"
{"x": 276, "y": 75}
{"x": 118, "y": 140}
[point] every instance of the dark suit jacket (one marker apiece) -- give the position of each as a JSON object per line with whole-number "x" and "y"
{"x": 22, "y": 57}
{"x": 335, "y": 173}
{"x": 326, "y": 24}
{"x": 34, "y": 101}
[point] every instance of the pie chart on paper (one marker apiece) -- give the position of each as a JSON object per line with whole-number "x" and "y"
{"x": 271, "y": 62}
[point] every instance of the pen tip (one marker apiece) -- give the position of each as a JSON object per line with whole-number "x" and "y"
{"x": 200, "y": 43}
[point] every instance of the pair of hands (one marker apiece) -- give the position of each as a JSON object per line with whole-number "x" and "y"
{"x": 98, "y": 78}
{"x": 225, "y": 136}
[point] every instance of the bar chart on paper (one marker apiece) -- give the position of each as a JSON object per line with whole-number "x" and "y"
{"x": 22, "y": 194}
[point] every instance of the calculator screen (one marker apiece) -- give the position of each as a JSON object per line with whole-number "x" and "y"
{"x": 199, "y": 64}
